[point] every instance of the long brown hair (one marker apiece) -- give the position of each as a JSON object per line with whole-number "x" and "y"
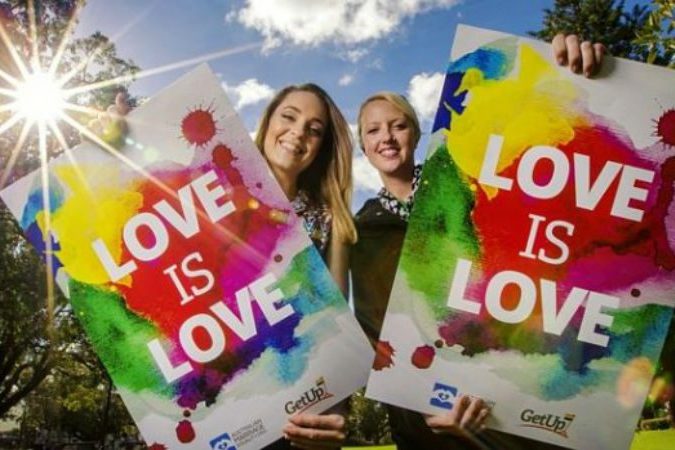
{"x": 328, "y": 179}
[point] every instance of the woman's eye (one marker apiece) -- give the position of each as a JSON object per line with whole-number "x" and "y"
{"x": 401, "y": 126}
{"x": 287, "y": 117}
{"x": 371, "y": 131}
{"x": 315, "y": 131}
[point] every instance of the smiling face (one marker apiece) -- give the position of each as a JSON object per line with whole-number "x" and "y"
{"x": 387, "y": 138}
{"x": 294, "y": 134}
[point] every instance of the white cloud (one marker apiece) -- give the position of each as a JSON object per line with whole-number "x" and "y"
{"x": 354, "y": 55}
{"x": 314, "y": 22}
{"x": 248, "y": 92}
{"x": 346, "y": 79}
{"x": 424, "y": 91}
{"x": 366, "y": 178}
{"x": 376, "y": 64}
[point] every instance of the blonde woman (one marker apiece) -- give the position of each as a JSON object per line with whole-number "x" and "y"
{"x": 389, "y": 132}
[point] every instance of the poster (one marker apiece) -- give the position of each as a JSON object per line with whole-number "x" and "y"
{"x": 538, "y": 266}
{"x": 193, "y": 278}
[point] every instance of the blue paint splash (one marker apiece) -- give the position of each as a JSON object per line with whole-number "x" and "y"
{"x": 494, "y": 62}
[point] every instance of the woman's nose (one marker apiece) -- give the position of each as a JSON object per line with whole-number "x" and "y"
{"x": 298, "y": 130}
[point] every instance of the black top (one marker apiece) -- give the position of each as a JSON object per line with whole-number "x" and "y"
{"x": 373, "y": 263}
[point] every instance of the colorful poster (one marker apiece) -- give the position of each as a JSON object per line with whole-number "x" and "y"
{"x": 538, "y": 266}
{"x": 196, "y": 283}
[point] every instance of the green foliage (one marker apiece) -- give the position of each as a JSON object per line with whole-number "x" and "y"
{"x": 644, "y": 33}
{"x": 77, "y": 399}
{"x": 26, "y": 344}
{"x": 368, "y": 423}
{"x": 604, "y": 21}
{"x": 657, "y": 36}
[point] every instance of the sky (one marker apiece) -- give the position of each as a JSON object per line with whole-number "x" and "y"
{"x": 351, "y": 48}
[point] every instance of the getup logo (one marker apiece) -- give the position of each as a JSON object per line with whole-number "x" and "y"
{"x": 309, "y": 398}
{"x": 549, "y": 422}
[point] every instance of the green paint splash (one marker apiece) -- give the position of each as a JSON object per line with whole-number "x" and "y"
{"x": 119, "y": 338}
{"x": 440, "y": 231}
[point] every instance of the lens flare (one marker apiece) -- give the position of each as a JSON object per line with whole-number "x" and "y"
{"x": 39, "y": 98}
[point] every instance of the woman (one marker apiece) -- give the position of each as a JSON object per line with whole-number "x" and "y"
{"x": 306, "y": 142}
{"x": 388, "y": 131}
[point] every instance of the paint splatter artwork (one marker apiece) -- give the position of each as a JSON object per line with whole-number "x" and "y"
{"x": 538, "y": 268}
{"x": 192, "y": 276}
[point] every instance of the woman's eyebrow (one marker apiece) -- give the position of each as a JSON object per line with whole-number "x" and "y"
{"x": 294, "y": 108}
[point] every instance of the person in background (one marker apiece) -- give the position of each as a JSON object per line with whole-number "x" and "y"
{"x": 388, "y": 132}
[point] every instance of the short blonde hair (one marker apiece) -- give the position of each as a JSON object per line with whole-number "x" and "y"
{"x": 328, "y": 179}
{"x": 400, "y": 103}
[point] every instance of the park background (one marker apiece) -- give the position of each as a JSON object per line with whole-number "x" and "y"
{"x": 53, "y": 390}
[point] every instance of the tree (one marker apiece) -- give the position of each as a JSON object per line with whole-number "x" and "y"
{"x": 641, "y": 33}
{"x": 76, "y": 399}
{"x": 34, "y": 336}
{"x": 26, "y": 349}
{"x": 657, "y": 37}
{"x": 368, "y": 423}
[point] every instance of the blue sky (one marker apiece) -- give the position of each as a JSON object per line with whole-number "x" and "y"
{"x": 352, "y": 49}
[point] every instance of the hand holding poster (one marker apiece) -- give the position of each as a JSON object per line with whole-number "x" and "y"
{"x": 537, "y": 270}
{"x": 196, "y": 283}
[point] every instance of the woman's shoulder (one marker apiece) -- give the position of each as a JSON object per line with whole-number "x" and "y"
{"x": 373, "y": 213}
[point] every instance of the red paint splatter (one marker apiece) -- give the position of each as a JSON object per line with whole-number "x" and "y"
{"x": 157, "y": 446}
{"x": 423, "y": 356}
{"x": 665, "y": 127}
{"x": 222, "y": 156}
{"x": 185, "y": 432}
{"x": 198, "y": 127}
{"x": 383, "y": 355}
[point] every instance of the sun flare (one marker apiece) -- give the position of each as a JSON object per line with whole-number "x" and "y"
{"x": 39, "y": 98}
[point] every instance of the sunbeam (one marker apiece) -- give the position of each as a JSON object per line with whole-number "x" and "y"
{"x": 35, "y": 96}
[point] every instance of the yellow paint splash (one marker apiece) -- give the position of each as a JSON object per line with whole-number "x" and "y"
{"x": 96, "y": 207}
{"x": 535, "y": 107}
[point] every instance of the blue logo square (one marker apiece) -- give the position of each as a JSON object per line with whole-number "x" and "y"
{"x": 443, "y": 396}
{"x": 222, "y": 442}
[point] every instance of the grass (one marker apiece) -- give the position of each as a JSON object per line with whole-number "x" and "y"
{"x": 644, "y": 440}
{"x": 654, "y": 440}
